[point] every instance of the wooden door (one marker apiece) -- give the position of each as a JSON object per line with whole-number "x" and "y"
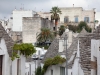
{"x": 0, "y": 64}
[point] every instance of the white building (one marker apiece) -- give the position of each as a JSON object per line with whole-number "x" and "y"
{"x": 95, "y": 57}
{"x": 97, "y": 17}
{"x": 7, "y": 66}
{"x": 17, "y": 18}
{"x": 6, "y": 44}
{"x": 10, "y": 23}
{"x": 4, "y": 23}
{"x": 7, "y": 24}
{"x": 73, "y": 15}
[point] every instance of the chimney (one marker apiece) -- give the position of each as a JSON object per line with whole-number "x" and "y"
{"x": 69, "y": 38}
{"x": 73, "y": 5}
{"x": 61, "y": 44}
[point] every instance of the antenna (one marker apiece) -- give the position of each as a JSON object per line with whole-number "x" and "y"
{"x": 73, "y": 5}
{"x": 23, "y": 6}
{"x": 42, "y": 10}
{"x": 15, "y": 7}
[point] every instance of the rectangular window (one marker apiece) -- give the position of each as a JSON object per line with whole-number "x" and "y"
{"x": 76, "y": 19}
{"x": 62, "y": 70}
{"x": 66, "y": 19}
{"x": 86, "y": 19}
{"x": 51, "y": 72}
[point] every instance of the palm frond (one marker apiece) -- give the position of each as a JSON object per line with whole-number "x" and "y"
{"x": 44, "y": 35}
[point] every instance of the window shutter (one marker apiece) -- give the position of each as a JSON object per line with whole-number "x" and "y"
{"x": 88, "y": 20}
{"x": 84, "y": 19}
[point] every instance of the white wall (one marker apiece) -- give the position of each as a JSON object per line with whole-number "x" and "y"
{"x": 14, "y": 67}
{"x": 97, "y": 17}
{"x": 6, "y": 59}
{"x": 61, "y": 45}
{"x": 76, "y": 69}
{"x": 71, "y": 12}
{"x": 55, "y": 68}
{"x": 31, "y": 69}
{"x": 21, "y": 66}
{"x": 95, "y": 53}
{"x": 10, "y": 23}
{"x": 17, "y": 18}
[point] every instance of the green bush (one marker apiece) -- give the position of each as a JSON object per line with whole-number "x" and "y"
{"x": 49, "y": 62}
{"x": 61, "y": 30}
{"x": 83, "y": 24}
{"x": 53, "y": 61}
{"x": 79, "y": 28}
{"x": 73, "y": 28}
{"x": 39, "y": 71}
{"x": 26, "y": 49}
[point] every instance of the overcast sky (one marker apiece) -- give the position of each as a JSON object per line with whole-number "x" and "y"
{"x": 7, "y": 6}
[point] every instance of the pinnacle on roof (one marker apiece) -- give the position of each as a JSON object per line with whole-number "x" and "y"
{"x": 82, "y": 33}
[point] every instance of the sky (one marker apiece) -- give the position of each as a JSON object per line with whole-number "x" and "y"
{"x": 7, "y": 6}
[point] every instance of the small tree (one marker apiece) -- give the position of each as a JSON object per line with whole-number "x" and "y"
{"x": 61, "y": 30}
{"x": 73, "y": 28}
{"x": 84, "y": 24}
{"x": 45, "y": 35}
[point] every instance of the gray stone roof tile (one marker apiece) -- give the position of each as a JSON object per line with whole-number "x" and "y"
{"x": 54, "y": 47}
{"x": 9, "y": 42}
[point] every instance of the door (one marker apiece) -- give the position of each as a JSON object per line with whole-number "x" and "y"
{"x": 18, "y": 60}
{"x": 0, "y": 64}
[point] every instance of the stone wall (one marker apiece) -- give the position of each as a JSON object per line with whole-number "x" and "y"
{"x": 16, "y": 36}
{"x": 32, "y": 27}
{"x": 47, "y": 23}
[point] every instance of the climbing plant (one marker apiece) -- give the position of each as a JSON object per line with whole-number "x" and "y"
{"x": 52, "y": 61}
{"x": 24, "y": 49}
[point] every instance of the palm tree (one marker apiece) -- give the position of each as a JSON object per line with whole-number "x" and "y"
{"x": 55, "y": 15}
{"x": 45, "y": 35}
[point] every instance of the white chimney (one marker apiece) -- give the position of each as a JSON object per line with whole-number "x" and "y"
{"x": 73, "y": 5}
{"x": 70, "y": 37}
{"x": 61, "y": 45}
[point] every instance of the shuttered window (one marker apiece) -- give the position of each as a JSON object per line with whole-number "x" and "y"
{"x": 86, "y": 19}
{"x": 76, "y": 19}
{"x": 66, "y": 19}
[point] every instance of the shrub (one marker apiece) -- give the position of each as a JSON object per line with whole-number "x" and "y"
{"x": 79, "y": 28}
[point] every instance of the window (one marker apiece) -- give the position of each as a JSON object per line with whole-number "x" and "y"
{"x": 86, "y": 19}
{"x": 66, "y": 19}
{"x": 62, "y": 70}
{"x": 53, "y": 28}
{"x": 51, "y": 72}
{"x": 76, "y": 19}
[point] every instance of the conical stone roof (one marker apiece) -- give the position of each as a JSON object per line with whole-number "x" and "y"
{"x": 9, "y": 42}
